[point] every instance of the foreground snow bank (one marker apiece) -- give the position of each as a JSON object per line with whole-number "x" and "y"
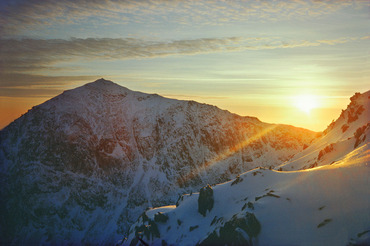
{"x": 327, "y": 205}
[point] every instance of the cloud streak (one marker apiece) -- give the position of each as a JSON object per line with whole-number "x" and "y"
{"x": 30, "y": 85}
{"x": 22, "y": 61}
{"x": 15, "y": 18}
{"x": 19, "y": 81}
{"x": 30, "y": 55}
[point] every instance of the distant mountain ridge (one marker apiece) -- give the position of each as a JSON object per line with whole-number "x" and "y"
{"x": 81, "y": 167}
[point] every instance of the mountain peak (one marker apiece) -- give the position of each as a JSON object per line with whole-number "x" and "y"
{"x": 104, "y": 84}
{"x": 360, "y": 98}
{"x": 102, "y": 81}
{"x": 355, "y": 114}
{"x": 100, "y": 86}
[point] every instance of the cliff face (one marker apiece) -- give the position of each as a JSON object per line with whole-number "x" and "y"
{"x": 81, "y": 167}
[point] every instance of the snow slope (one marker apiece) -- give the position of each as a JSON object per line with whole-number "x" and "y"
{"x": 328, "y": 205}
{"x": 327, "y": 202}
{"x": 349, "y": 131}
{"x": 81, "y": 167}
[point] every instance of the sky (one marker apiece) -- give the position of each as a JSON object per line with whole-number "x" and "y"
{"x": 294, "y": 62}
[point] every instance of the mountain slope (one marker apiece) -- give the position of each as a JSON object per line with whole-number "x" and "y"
{"x": 82, "y": 166}
{"x": 326, "y": 205}
{"x": 323, "y": 206}
{"x": 349, "y": 131}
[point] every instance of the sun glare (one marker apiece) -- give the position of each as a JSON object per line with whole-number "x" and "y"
{"x": 306, "y": 102}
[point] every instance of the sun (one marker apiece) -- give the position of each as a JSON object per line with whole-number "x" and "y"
{"x": 306, "y": 102}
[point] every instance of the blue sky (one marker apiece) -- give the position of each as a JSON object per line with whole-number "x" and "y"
{"x": 249, "y": 57}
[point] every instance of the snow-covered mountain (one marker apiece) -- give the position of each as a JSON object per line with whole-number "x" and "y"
{"x": 326, "y": 205}
{"x": 81, "y": 167}
{"x": 349, "y": 131}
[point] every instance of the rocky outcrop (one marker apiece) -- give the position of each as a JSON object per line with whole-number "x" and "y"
{"x": 205, "y": 200}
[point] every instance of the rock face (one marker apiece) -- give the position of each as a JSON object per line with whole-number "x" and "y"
{"x": 231, "y": 233}
{"x": 205, "y": 200}
{"x": 81, "y": 167}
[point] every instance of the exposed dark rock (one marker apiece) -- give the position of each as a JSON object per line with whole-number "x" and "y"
{"x": 160, "y": 217}
{"x": 192, "y": 228}
{"x": 237, "y": 180}
{"x": 205, "y": 200}
{"x": 345, "y": 127}
{"x": 324, "y": 151}
{"x": 325, "y": 222}
{"x": 148, "y": 229}
{"x": 360, "y": 135}
{"x": 231, "y": 233}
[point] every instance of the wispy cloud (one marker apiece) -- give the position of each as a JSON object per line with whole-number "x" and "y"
{"x": 32, "y": 55}
{"x": 19, "y": 81}
{"x": 30, "y": 85}
{"x": 30, "y": 92}
{"x": 22, "y": 61}
{"x": 32, "y": 13}
{"x": 338, "y": 40}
